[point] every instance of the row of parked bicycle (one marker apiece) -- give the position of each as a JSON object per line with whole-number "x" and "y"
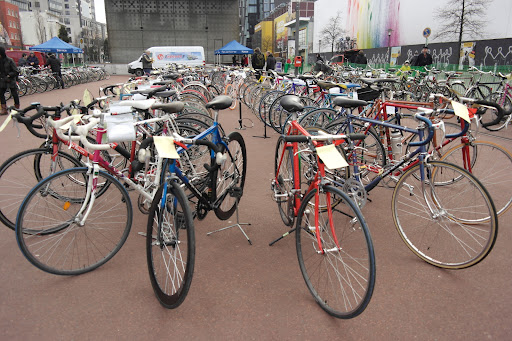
{"x": 38, "y": 80}
{"x": 72, "y": 212}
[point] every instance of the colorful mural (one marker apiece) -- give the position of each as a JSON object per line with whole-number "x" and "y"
{"x": 371, "y": 21}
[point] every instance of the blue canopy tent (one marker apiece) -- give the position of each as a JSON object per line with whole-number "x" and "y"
{"x": 233, "y": 47}
{"x": 58, "y": 46}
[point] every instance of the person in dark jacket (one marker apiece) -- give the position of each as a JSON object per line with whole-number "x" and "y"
{"x": 23, "y": 60}
{"x": 8, "y": 75}
{"x": 55, "y": 65}
{"x": 271, "y": 61}
{"x": 32, "y": 60}
{"x": 424, "y": 58}
{"x": 361, "y": 58}
{"x": 147, "y": 62}
{"x": 258, "y": 59}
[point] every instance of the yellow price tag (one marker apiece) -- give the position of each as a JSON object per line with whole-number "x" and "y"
{"x": 331, "y": 157}
{"x": 461, "y": 110}
{"x": 165, "y": 147}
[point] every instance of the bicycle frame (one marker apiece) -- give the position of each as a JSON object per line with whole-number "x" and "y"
{"x": 295, "y": 129}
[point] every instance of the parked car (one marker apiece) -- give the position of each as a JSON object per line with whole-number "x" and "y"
{"x": 16, "y": 55}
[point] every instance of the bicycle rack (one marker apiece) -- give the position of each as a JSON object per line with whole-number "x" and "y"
{"x": 235, "y": 192}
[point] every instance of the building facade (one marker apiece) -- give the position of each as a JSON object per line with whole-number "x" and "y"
{"x": 10, "y": 28}
{"x": 135, "y": 25}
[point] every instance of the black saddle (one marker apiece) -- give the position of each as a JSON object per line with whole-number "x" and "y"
{"x": 220, "y": 102}
{"x": 348, "y": 102}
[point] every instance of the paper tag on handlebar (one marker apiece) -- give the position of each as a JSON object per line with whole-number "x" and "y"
{"x": 461, "y": 110}
{"x": 165, "y": 147}
{"x": 7, "y": 120}
{"x": 76, "y": 119}
{"x": 331, "y": 157}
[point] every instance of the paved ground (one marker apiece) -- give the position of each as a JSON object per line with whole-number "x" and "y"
{"x": 248, "y": 292}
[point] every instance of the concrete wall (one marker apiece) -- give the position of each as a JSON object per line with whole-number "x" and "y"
{"x": 134, "y": 25}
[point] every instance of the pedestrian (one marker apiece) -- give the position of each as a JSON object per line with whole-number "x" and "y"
{"x": 8, "y": 77}
{"x": 271, "y": 61}
{"x": 319, "y": 58}
{"x": 23, "y": 60}
{"x": 32, "y": 60}
{"x": 147, "y": 62}
{"x": 258, "y": 59}
{"x": 55, "y": 65}
{"x": 424, "y": 58}
{"x": 403, "y": 72}
{"x": 361, "y": 58}
{"x": 245, "y": 60}
{"x": 234, "y": 60}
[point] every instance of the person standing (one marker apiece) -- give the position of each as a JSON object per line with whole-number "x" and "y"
{"x": 55, "y": 65}
{"x": 8, "y": 76}
{"x": 147, "y": 62}
{"x": 32, "y": 60}
{"x": 258, "y": 59}
{"x": 271, "y": 61}
{"x": 424, "y": 58}
{"x": 361, "y": 58}
{"x": 23, "y": 60}
{"x": 234, "y": 60}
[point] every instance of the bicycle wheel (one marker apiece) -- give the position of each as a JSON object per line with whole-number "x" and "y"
{"x": 21, "y": 172}
{"x": 230, "y": 175}
{"x": 491, "y": 164}
{"x": 48, "y": 228}
{"x": 448, "y": 219}
{"x": 340, "y": 279}
{"x": 478, "y": 92}
{"x": 170, "y": 246}
{"x": 505, "y": 102}
{"x": 284, "y": 181}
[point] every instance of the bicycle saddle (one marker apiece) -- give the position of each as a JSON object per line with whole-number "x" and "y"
{"x": 169, "y": 107}
{"x": 149, "y": 92}
{"x": 220, "y": 102}
{"x": 143, "y": 104}
{"x": 172, "y": 76}
{"x": 348, "y": 103}
{"x": 164, "y": 94}
{"x": 291, "y": 103}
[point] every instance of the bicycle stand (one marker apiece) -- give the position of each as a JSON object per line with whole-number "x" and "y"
{"x": 240, "y": 119}
{"x": 264, "y": 132}
{"x": 235, "y": 192}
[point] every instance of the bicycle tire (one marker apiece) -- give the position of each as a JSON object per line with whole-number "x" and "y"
{"x": 342, "y": 279}
{"x": 230, "y": 174}
{"x": 284, "y": 181}
{"x": 491, "y": 164}
{"x": 46, "y": 224}
{"x": 21, "y": 172}
{"x": 170, "y": 274}
{"x": 428, "y": 216}
{"x": 505, "y": 102}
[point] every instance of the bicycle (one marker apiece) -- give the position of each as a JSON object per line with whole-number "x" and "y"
{"x": 75, "y": 220}
{"x": 226, "y": 174}
{"x": 331, "y": 233}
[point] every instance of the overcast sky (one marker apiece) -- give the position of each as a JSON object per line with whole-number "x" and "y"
{"x": 100, "y": 10}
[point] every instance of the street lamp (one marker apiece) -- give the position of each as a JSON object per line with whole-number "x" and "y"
{"x": 389, "y": 36}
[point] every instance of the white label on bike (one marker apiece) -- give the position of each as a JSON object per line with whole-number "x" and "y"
{"x": 331, "y": 157}
{"x": 7, "y": 120}
{"x": 354, "y": 95}
{"x": 165, "y": 147}
{"x": 461, "y": 110}
{"x": 390, "y": 110}
{"x": 76, "y": 119}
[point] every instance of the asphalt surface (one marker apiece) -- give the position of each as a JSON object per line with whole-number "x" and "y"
{"x": 244, "y": 292}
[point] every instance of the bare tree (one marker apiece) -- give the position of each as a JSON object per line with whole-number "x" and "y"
{"x": 462, "y": 18}
{"x": 332, "y": 32}
{"x": 40, "y": 27}
{"x": 266, "y": 44}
